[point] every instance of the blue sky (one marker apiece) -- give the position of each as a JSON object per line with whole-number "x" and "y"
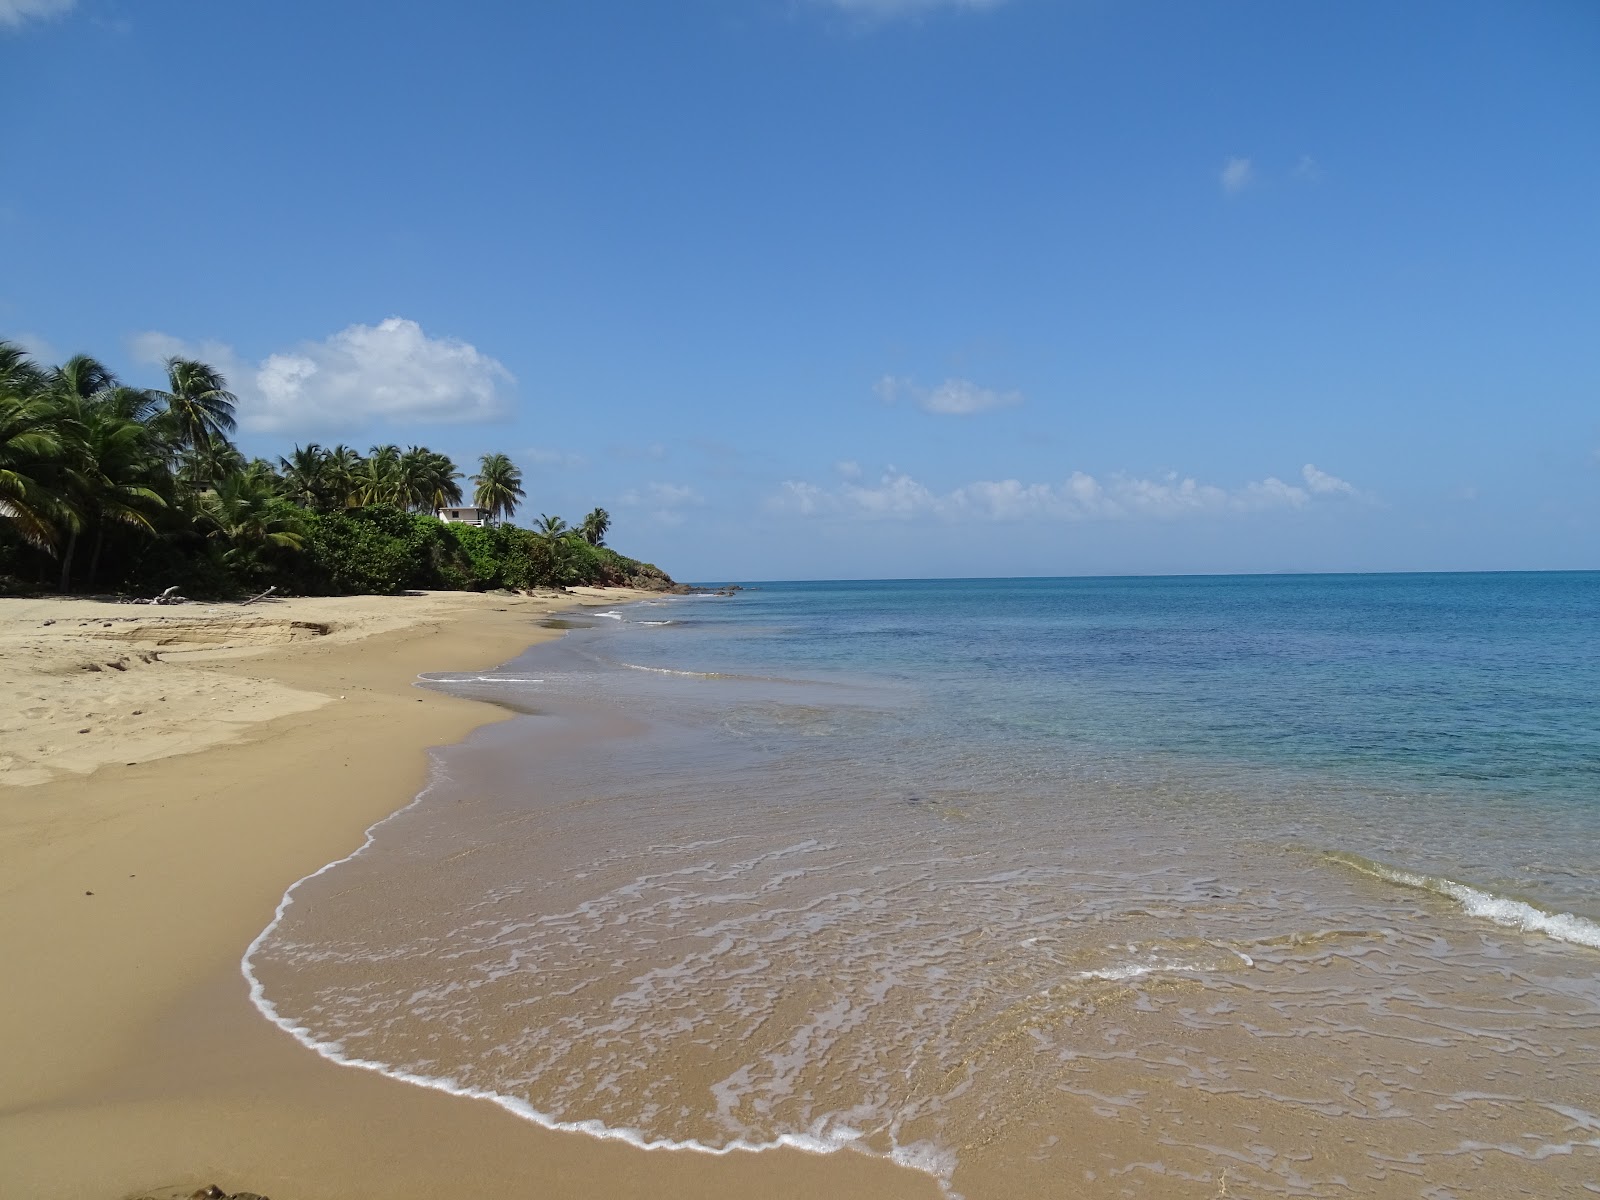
{"x": 845, "y": 288}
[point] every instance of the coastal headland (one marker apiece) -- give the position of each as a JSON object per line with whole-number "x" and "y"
{"x": 165, "y": 773}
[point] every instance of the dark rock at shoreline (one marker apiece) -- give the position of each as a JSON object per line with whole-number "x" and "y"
{"x": 210, "y": 1192}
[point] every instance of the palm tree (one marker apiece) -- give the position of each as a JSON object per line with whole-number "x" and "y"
{"x": 552, "y": 535}
{"x": 245, "y": 517}
{"x": 262, "y": 471}
{"x": 203, "y": 466}
{"x": 305, "y": 476}
{"x": 113, "y": 464}
{"x": 342, "y": 468}
{"x": 107, "y": 456}
{"x": 594, "y": 527}
{"x": 18, "y": 373}
{"x": 377, "y": 479}
{"x": 81, "y": 379}
{"x": 410, "y": 487}
{"x": 498, "y": 486}
{"x": 132, "y": 404}
{"x": 552, "y": 530}
{"x": 442, "y": 486}
{"x": 200, "y": 408}
{"x": 30, "y": 454}
{"x": 427, "y": 480}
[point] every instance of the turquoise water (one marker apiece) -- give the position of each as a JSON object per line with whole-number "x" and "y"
{"x": 1486, "y": 683}
{"x": 1448, "y": 710}
{"x": 1257, "y": 886}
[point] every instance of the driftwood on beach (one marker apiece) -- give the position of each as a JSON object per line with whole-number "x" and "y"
{"x": 170, "y": 596}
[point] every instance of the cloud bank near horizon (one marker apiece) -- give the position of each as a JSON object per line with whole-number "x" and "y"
{"x": 364, "y": 375}
{"x": 1081, "y": 497}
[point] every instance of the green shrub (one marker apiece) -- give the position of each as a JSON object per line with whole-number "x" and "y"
{"x": 358, "y": 551}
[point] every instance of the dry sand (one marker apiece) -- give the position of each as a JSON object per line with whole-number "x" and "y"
{"x": 165, "y": 772}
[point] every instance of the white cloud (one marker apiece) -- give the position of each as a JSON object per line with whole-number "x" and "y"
{"x": 1323, "y": 484}
{"x": 665, "y": 501}
{"x": 891, "y": 388}
{"x": 36, "y": 348}
{"x": 953, "y": 397}
{"x": 847, "y": 468}
{"x": 960, "y": 397}
{"x": 1080, "y": 497}
{"x": 801, "y": 498}
{"x": 1307, "y": 170}
{"x": 13, "y": 13}
{"x": 389, "y": 373}
{"x": 672, "y": 495}
{"x": 1236, "y": 175}
{"x": 662, "y": 495}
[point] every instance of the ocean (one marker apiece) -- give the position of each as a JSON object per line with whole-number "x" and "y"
{"x": 1243, "y": 885}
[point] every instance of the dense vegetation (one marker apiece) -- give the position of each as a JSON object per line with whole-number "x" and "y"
{"x": 105, "y": 487}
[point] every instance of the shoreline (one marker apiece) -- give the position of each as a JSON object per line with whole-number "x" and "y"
{"x": 136, "y": 1060}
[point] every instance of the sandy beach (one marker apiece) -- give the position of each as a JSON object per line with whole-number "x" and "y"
{"x": 165, "y": 773}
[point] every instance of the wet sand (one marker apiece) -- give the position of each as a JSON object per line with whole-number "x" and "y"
{"x": 649, "y": 907}
{"x": 134, "y": 1059}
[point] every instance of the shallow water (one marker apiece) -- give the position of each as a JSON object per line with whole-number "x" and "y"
{"x": 1251, "y": 886}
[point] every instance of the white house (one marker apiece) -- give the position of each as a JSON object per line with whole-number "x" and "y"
{"x": 464, "y": 516}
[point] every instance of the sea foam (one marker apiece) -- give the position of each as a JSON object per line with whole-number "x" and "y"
{"x": 820, "y": 1139}
{"x": 1502, "y": 910}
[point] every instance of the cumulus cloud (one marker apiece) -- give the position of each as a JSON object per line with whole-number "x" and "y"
{"x": 14, "y": 13}
{"x": 953, "y": 397}
{"x": 388, "y": 373}
{"x": 1236, "y": 175}
{"x": 1080, "y": 497}
{"x": 1322, "y": 484}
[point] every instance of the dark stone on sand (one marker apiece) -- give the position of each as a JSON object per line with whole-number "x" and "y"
{"x": 209, "y": 1192}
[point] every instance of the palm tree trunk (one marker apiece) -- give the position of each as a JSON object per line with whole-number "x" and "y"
{"x": 94, "y": 556}
{"x": 66, "y": 559}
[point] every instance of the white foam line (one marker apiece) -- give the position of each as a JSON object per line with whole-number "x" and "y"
{"x": 1135, "y": 971}
{"x": 1502, "y": 910}
{"x": 670, "y": 671}
{"x": 811, "y": 1143}
{"x": 481, "y": 679}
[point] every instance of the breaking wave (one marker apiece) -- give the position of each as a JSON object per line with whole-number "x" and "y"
{"x": 1475, "y": 902}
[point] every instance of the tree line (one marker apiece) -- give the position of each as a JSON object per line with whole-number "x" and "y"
{"x": 104, "y": 484}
